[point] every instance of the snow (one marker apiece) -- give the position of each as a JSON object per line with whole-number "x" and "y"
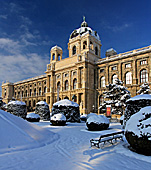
{"x": 97, "y": 119}
{"x": 18, "y": 134}
{"x": 138, "y": 124}
{"x": 16, "y": 103}
{"x": 59, "y": 116}
{"x": 81, "y": 31}
{"x": 32, "y": 115}
{"x": 66, "y": 102}
{"x": 41, "y": 103}
{"x": 68, "y": 148}
{"x": 140, "y": 97}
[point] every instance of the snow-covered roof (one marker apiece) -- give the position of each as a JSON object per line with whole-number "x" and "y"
{"x": 56, "y": 47}
{"x": 16, "y": 103}
{"x": 59, "y": 116}
{"x": 65, "y": 102}
{"x": 83, "y": 30}
{"x": 140, "y": 97}
{"x": 41, "y": 102}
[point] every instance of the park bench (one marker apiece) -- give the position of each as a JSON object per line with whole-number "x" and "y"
{"x": 109, "y": 137}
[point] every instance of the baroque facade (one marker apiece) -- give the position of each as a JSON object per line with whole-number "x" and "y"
{"x": 82, "y": 76}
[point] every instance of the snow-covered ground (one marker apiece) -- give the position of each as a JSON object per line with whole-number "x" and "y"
{"x": 46, "y": 147}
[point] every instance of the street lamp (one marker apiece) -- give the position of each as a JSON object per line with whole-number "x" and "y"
{"x": 93, "y": 107}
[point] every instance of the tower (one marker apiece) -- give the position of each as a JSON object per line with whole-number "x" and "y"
{"x": 56, "y": 54}
{"x": 85, "y": 40}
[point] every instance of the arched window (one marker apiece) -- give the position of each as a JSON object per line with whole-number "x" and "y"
{"x": 39, "y": 91}
{"x": 66, "y": 97}
{"x": 102, "y": 82}
{"x": 45, "y": 89}
{"x": 96, "y": 50}
{"x": 74, "y": 83}
{"x": 35, "y": 92}
{"x": 53, "y": 56}
{"x": 84, "y": 45}
{"x": 91, "y": 45}
{"x": 58, "y": 85}
{"x": 143, "y": 76}
{"x": 30, "y": 92}
{"x": 114, "y": 77}
{"x": 22, "y": 93}
{"x": 128, "y": 78}
{"x": 26, "y": 93}
{"x": 34, "y": 103}
{"x": 66, "y": 85}
{"x": 58, "y": 57}
{"x": 74, "y": 50}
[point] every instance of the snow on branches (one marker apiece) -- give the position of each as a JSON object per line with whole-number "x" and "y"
{"x": 116, "y": 96}
{"x": 144, "y": 89}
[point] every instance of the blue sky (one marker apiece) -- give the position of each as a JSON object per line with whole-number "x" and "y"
{"x": 28, "y": 30}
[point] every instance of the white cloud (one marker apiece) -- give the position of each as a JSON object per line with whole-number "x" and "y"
{"x": 3, "y": 16}
{"x": 10, "y": 45}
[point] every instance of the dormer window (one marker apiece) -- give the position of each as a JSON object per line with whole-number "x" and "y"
{"x": 74, "y": 50}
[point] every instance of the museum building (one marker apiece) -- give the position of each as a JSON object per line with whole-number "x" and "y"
{"x": 83, "y": 75}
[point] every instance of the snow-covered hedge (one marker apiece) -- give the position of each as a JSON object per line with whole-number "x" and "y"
{"x": 138, "y": 131}
{"x": 32, "y": 117}
{"x": 58, "y": 119}
{"x": 69, "y": 108}
{"x": 17, "y": 108}
{"x": 83, "y": 117}
{"x": 42, "y": 109}
{"x": 97, "y": 122}
{"x": 134, "y": 104}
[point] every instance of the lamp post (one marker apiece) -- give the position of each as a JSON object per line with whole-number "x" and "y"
{"x": 93, "y": 108}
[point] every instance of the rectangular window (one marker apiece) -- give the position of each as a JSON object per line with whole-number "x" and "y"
{"x": 143, "y": 62}
{"x": 114, "y": 68}
{"x": 127, "y": 65}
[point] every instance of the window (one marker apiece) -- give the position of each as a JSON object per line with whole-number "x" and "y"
{"x": 102, "y": 82}
{"x": 58, "y": 85}
{"x": 35, "y": 92}
{"x": 39, "y": 91}
{"x": 143, "y": 62}
{"x": 58, "y": 57}
{"x": 26, "y": 93}
{"x": 143, "y": 76}
{"x": 127, "y": 65}
{"x": 96, "y": 50}
{"x": 114, "y": 77}
{"x": 74, "y": 50}
{"x": 53, "y": 56}
{"x": 91, "y": 45}
{"x": 74, "y": 83}
{"x": 84, "y": 45}
{"x": 114, "y": 68}
{"x": 101, "y": 70}
{"x": 30, "y": 92}
{"x": 66, "y": 85}
{"x": 128, "y": 78}
{"x": 45, "y": 89}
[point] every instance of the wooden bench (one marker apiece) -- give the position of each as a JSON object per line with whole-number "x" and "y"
{"x": 109, "y": 137}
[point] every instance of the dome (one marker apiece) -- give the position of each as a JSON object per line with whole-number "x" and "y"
{"x": 83, "y": 30}
{"x": 56, "y": 47}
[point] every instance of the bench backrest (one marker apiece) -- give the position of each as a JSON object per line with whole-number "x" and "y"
{"x": 111, "y": 134}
